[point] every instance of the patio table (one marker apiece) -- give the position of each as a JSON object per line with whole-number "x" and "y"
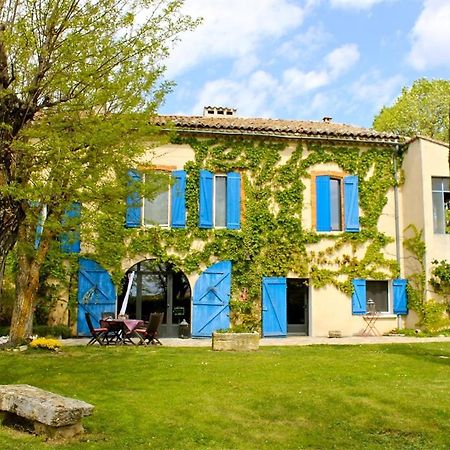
{"x": 120, "y": 331}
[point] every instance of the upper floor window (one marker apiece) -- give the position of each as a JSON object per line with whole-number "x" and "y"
{"x": 156, "y": 210}
{"x": 441, "y": 204}
{"x": 168, "y": 208}
{"x": 220, "y": 200}
{"x": 337, "y": 203}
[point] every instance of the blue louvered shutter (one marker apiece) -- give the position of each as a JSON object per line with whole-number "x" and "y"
{"x": 134, "y": 202}
{"x": 70, "y": 240}
{"x": 179, "y": 199}
{"x": 351, "y": 203}
{"x": 323, "y": 206}
{"x": 233, "y": 201}
{"x": 400, "y": 297}
{"x": 359, "y": 297}
{"x": 206, "y": 199}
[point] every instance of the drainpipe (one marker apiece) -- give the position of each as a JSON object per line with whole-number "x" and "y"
{"x": 397, "y": 221}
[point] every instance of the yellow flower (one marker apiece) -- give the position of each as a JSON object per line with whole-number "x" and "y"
{"x": 46, "y": 343}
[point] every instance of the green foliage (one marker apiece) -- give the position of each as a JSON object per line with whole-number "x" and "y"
{"x": 432, "y": 314}
{"x": 421, "y": 109}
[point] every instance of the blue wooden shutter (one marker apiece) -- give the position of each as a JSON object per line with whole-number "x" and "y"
{"x": 233, "y": 201}
{"x": 359, "y": 297}
{"x": 351, "y": 203}
{"x": 70, "y": 240}
{"x": 96, "y": 294}
{"x": 179, "y": 199}
{"x": 134, "y": 202}
{"x": 400, "y": 297}
{"x": 323, "y": 206}
{"x": 210, "y": 306}
{"x": 206, "y": 199}
{"x": 274, "y": 307}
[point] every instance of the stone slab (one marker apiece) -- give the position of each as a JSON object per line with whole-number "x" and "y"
{"x": 41, "y": 406}
{"x": 240, "y": 342}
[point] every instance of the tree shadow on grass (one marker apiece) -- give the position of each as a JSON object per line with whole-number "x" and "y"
{"x": 438, "y": 354}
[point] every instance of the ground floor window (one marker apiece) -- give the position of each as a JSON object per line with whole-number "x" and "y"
{"x": 377, "y": 295}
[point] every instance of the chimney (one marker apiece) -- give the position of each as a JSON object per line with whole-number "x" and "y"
{"x": 218, "y": 111}
{"x": 327, "y": 119}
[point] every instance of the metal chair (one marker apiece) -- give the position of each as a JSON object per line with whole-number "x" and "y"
{"x": 98, "y": 334}
{"x": 149, "y": 335}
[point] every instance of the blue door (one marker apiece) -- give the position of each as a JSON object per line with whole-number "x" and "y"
{"x": 211, "y": 308}
{"x": 96, "y": 294}
{"x": 274, "y": 317}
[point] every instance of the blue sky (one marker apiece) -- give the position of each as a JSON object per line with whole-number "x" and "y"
{"x": 306, "y": 59}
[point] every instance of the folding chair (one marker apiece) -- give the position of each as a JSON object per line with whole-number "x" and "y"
{"x": 149, "y": 335}
{"x": 98, "y": 334}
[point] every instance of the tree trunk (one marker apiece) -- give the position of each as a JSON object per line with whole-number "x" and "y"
{"x": 27, "y": 281}
{"x": 11, "y": 214}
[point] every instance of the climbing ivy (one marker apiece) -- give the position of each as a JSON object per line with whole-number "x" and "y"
{"x": 433, "y": 314}
{"x": 272, "y": 240}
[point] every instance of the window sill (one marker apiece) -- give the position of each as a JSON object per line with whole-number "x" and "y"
{"x": 387, "y": 316}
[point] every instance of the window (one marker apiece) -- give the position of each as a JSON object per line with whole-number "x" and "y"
{"x": 337, "y": 203}
{"x": 220, "y": 200}
{"x": 377, "y": 296}
{"x": 441, "y": 204}
{"x": 380, "y": 296}
{"x": 157, "y": 210}
{"x": 168, "y": 208}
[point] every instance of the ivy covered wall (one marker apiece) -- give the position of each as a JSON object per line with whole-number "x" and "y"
{"x": 274, "y": 239}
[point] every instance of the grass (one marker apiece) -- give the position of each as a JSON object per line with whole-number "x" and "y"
{"x": 318, "y": 397}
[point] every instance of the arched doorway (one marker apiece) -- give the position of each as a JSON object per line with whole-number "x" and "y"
{"x": 158, "y": 287}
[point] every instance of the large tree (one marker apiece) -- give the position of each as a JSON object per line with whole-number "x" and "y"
{"x": 421, "y": 109}
{"x": 76, "y": 77}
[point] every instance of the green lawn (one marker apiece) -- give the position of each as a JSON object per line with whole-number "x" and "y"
{"x": 320, "y": 397}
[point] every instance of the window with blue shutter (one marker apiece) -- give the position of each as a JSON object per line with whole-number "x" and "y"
{"x": 70, "y": 239}
{"x": 400, "y": 297}
{"x": 329, "y": 201}
{"x": 179, "y": 199}
{"x": 134, "y": 201}
{"x": 220, "y": 200}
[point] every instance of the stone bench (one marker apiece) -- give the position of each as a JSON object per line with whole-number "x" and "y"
{"x": 37, "y": 411}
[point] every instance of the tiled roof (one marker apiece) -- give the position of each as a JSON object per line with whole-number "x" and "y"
{"x": 273, "y": 127}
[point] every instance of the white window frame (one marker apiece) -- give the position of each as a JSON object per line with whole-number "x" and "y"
{"x": 442, "y": 204}
{"x": 219, "y": 175}
{"x": 169, "y": 207}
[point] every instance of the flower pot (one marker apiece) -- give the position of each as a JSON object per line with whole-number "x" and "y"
{"x": 239, "y": 342}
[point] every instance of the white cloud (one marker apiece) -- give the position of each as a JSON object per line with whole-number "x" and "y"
{"x": 374, "y": 91}
{"x": 342, "y": 59}
{"x": 355, "y": 4}
{"x": 250, "y": 96}
{"x": 232, "y": 29}
{"x": 431, "y": 36}
{"x": 304, "y": 46}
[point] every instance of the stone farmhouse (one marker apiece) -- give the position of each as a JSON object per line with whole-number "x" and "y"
{"x": 290, "y": 227}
